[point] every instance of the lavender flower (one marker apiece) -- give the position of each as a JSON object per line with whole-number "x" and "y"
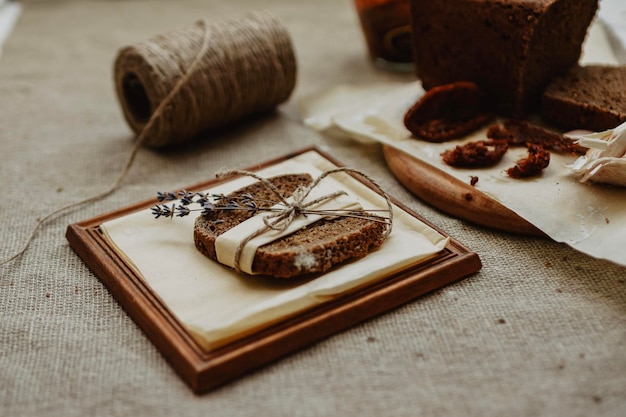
{"x": 163, "y": 210}
{"x": 207, "y": 204}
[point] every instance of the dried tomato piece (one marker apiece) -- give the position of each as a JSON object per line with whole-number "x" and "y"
{"x": 476, "y": 154}
{"x": 537, "y": 160}
{"x": 520, "y": 132}
{"x": 448, "y": 111}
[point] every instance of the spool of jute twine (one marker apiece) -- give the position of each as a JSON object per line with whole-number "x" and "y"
{"x": 178, "y": 84}
{"x": 242, "y": 66}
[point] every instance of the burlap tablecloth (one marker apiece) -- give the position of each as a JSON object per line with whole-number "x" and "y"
{"x": 540, "y": 331}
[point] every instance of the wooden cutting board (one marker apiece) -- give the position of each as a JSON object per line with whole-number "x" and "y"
{"x": 453, "y": 196}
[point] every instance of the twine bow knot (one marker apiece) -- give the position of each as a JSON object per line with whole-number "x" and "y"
{"x": 285, "y": 215}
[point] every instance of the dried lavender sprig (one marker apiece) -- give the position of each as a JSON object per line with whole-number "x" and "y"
{"x": 166, "y": 211}
{"x": 163, "y": 210}
{"x": 244, "y": 202}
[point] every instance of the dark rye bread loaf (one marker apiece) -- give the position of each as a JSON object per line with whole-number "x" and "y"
{"x": 313, "y": 249}
{"x": 510, "y": 48}
{"x": 589, "y": 97}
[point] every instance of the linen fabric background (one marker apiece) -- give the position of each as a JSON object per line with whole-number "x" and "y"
{"x": 539, "y": 331}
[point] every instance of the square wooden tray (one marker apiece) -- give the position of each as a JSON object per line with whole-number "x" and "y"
{"x": 203, "y": 370}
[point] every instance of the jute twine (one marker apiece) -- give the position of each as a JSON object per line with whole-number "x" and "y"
{"x": 179, "y": 84}
{"x": 246, "y": 66}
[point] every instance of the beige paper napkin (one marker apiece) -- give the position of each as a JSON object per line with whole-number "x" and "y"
{"x": 219, "y": 305}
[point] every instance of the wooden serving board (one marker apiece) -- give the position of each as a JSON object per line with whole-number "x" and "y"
{"x": 203, "y": 370}
{"x": 453, "y": 196}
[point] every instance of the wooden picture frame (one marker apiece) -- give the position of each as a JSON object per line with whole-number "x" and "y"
{"x": 203, "y": 370}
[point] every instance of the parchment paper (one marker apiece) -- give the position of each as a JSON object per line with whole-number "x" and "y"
{"x": 589, "y": 217}
{"x": 219, "y": 305}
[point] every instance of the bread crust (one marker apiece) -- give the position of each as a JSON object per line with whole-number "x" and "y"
{"x": 313, "y": 249}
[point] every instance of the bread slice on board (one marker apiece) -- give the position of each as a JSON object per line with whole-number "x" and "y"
{"x": 313, "y": 249}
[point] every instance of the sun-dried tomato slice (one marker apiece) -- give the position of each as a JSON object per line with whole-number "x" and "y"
{"x": 476, "y": 154}
{"x": 448, "y": 111}
{"x": 520, "y": 132}
{"x": 537, "y": 160}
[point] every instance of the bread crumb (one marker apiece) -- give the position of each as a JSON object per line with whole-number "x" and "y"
{"x": 501, "y": 321}
{"x": 305, "y": 261}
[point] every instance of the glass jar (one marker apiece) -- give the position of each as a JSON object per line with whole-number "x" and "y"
{"x": 386, "y": 26}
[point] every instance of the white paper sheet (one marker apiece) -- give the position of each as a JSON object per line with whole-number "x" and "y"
{"x": 9, "y": 14}
{"x": 219, "y": 305}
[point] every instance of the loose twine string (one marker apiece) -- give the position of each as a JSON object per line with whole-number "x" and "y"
{"x": 282, "y": 218}
{"x": 179, "y": 84}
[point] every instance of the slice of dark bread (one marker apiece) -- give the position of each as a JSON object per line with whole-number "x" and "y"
{"x": 589, "y": 97}
{"x": 313, "y": 249}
